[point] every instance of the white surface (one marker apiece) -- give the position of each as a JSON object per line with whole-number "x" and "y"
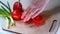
{"x": 2, "y": 31}
{"x": 58, "y": 32}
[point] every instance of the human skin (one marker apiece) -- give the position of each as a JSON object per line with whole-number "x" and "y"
{"x": 34, "y": 9}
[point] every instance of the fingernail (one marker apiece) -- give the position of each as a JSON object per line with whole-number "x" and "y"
{"x": 21, "y": 17}
{"x": 24, "y": 20}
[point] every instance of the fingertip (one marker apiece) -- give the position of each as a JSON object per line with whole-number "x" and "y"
{"x": 23, "y": 14}
{"x": 21, "y": 17}
{"x": 24, "y": 21}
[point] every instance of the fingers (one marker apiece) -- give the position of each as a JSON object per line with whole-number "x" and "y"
{"x": 36, "y": 14}
{"x": 28, "y": 16}
{"x": 25, "y": 12}
{"x": 36, "y": 11}
{"x": 40, "y": 11}
{"x": 33, "y": 12}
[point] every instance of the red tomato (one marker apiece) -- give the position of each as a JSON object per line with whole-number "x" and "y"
{"x": 16, "y": 14}
{"x": 38, "y": 20}
{"x": 17, "y": 5}
{"x": 17, "y": 10}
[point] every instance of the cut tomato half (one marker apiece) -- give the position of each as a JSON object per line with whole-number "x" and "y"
{"x": 38, "y": 20}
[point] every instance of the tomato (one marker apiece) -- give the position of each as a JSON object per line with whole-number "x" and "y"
{"x": 17, "y": 11}
{"x": 16, "y": 15}
{"x": 17, "y": 5}
{"x": 38, "y": 20}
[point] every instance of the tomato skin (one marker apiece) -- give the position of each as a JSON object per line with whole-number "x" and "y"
{"x": 38, "y": 20}
{"x": 16, "y": 15}
{"x": 17, "y": 5}
{"x": 17, "y": 11}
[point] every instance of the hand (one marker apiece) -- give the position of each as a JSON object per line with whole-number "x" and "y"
{"x": 34, "y": 9}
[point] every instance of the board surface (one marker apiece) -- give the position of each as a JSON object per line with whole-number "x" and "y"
{"x": 31, "y": 29}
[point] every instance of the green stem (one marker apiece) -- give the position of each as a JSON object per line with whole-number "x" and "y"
{"x": 11, "y": 22}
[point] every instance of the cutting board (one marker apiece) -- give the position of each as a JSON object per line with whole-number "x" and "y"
{"x": 24, "y": 28}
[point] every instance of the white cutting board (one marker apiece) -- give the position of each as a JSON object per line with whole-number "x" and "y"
{"x": 43, "y": 29}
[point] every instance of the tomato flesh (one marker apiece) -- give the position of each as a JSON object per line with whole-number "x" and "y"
{"x": 16, "y": 15}
{"x": 17, "y": 11}
{"x": 38, "y": 20}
